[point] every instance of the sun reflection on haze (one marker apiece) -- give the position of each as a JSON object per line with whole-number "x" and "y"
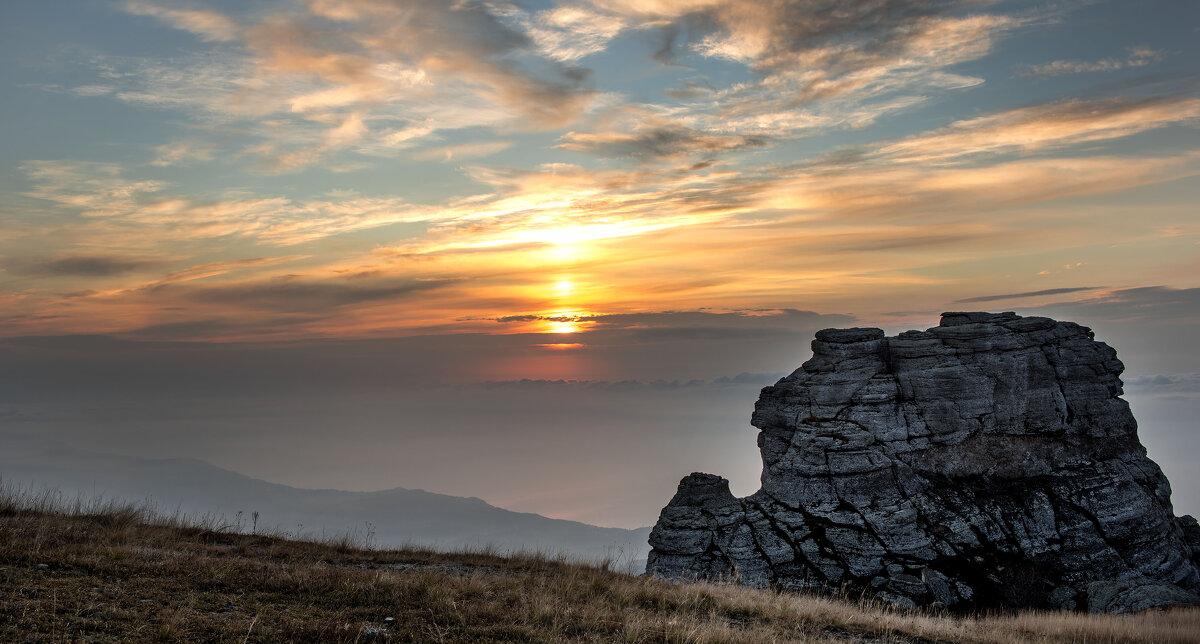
{"x": 562, "y": 322}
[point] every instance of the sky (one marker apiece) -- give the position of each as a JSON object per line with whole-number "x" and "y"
{"x": 546, "y": 253}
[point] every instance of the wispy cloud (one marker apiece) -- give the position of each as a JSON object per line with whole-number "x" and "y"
{"x": 463, "y": 151}
{"x": 213, "y": 269}
{"x": 658, "y": 140}
{"x": 820, "y": 64}
{"x": 674, "y": 198}
{"x": 1042, "y": 127}
{"x": 337, "y": 77}
{"x": 1148, "y": 304}
{"x": 207, "y": 24}
{"x": 568, "y": 33}
{"x": 311, "y": 296}
{"x": 1137, "y": 57}
{"x": 79, "y": 265}
{"x": 182, "y": 152}
{"x": 113, "y": 205}
{"x": 313, "y": 82}
{"x": 1015, "y": 296}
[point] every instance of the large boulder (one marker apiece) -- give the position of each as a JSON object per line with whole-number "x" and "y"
{"x": 989, "y": 461}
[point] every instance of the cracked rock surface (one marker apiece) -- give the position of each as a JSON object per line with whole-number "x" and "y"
{"x": 986, "y": 462}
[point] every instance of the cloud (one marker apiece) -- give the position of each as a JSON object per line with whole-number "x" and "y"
{"x": 216, "y": 87}
{"x": 113, "y": 206}
{"x": 568, "y": 33}
{"x": 374, "y": 76}
{"x": 755, "y": 380}
{"x": 310, "y": 83}
{"x": 465, "y": 46}
{"x": 774, "y": 34}
{"x": 463, "y": 151}
{"x": 1187, "y": 384}
{"x": 1043, "y": 127}
{"x": 1138, "y": 57}
{"x": 1013, "y": 296}
{"x": 182, "y": 152}
{"x": 302, "y": 295}
{"x": 687, "y": 325}
{"x": 1143, "y": 304}
{"x": 94, "y": 189}
{"x": 214, "y": 269}
{"x": 80, "y": 265}
{"x": 672, "y": 142}
{"x": 885, "y": 239}
{"x": 207, "y": 24}
{"x": 820, "y": 64}
{"x": 559, "y": 221}
{"x": 560, "y": 204}
{"x": 890, "y": 190}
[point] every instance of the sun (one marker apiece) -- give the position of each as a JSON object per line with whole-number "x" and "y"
{"x": 563, "y": 287}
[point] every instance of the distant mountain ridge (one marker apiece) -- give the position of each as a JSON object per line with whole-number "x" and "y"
{"x": 393, "y": 517}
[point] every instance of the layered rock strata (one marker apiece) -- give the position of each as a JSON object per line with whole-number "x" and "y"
{"x": 988, "y": 461}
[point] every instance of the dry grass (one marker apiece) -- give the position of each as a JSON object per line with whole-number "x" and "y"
{"x": 105, "y": 572}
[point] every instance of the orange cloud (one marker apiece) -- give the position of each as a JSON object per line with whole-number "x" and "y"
{"x": 207, "y": 24}
{"x": 1041, "y": 127}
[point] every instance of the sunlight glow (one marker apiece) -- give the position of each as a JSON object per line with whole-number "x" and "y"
{"x": 564, "y": 287}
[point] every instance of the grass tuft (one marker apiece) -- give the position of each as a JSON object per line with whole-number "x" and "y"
{"x": 99, "y": 571}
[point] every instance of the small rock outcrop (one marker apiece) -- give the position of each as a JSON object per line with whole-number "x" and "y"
{"x": 986, "y": 462}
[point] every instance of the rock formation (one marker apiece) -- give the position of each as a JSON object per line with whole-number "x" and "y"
{"x": 988, "y": 461}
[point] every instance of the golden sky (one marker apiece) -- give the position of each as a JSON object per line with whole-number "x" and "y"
{"x": 330, "y": 168}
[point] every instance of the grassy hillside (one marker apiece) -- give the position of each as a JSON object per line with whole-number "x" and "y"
{"x": 109, "y": 573}
{"x": 396, "y": 517}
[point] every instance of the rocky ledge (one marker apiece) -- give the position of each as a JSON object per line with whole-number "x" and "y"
{"x": 986, "y": 462}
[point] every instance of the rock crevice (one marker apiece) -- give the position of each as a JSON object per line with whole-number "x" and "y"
{"x": 989, "y": 461}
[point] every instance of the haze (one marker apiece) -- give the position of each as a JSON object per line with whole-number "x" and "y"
{"x": 546, "y": 253}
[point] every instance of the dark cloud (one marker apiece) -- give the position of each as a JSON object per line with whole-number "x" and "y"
{"x": 1153, "y": 328}
{"x": 521, "y": 318}
{"x": 1160, "y": 383}
{"x": 664, "y": 142}
{"x": 1013, "y": 296}
{"x": 307, "y": 296}
{"x": 1145, "y": 304}
{"x": 905, "y": 242}
{"x": 665, "y": 53}
{"x": 744, "y": 378}
{"x": 696, "y": 324}
{"x": 780, "y": 30}
{"x": 215, "y": 328}
{"x": 691, "y": 89}
{"x": 746, "y": 319}
{"x": 646, "y": 347}
{"x": 741, "y": 379}
{"x": 470, "y": 40}
{"x": 79, "y": 265}
{"x": 797, "y": 26}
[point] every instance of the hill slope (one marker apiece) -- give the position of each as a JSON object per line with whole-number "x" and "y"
{"x": 109, "y": 576}
{"x": 394, "y": 518}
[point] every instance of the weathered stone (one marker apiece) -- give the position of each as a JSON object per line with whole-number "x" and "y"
{"x": 1134, "y": 594}
{"x": 988, "y": 461}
